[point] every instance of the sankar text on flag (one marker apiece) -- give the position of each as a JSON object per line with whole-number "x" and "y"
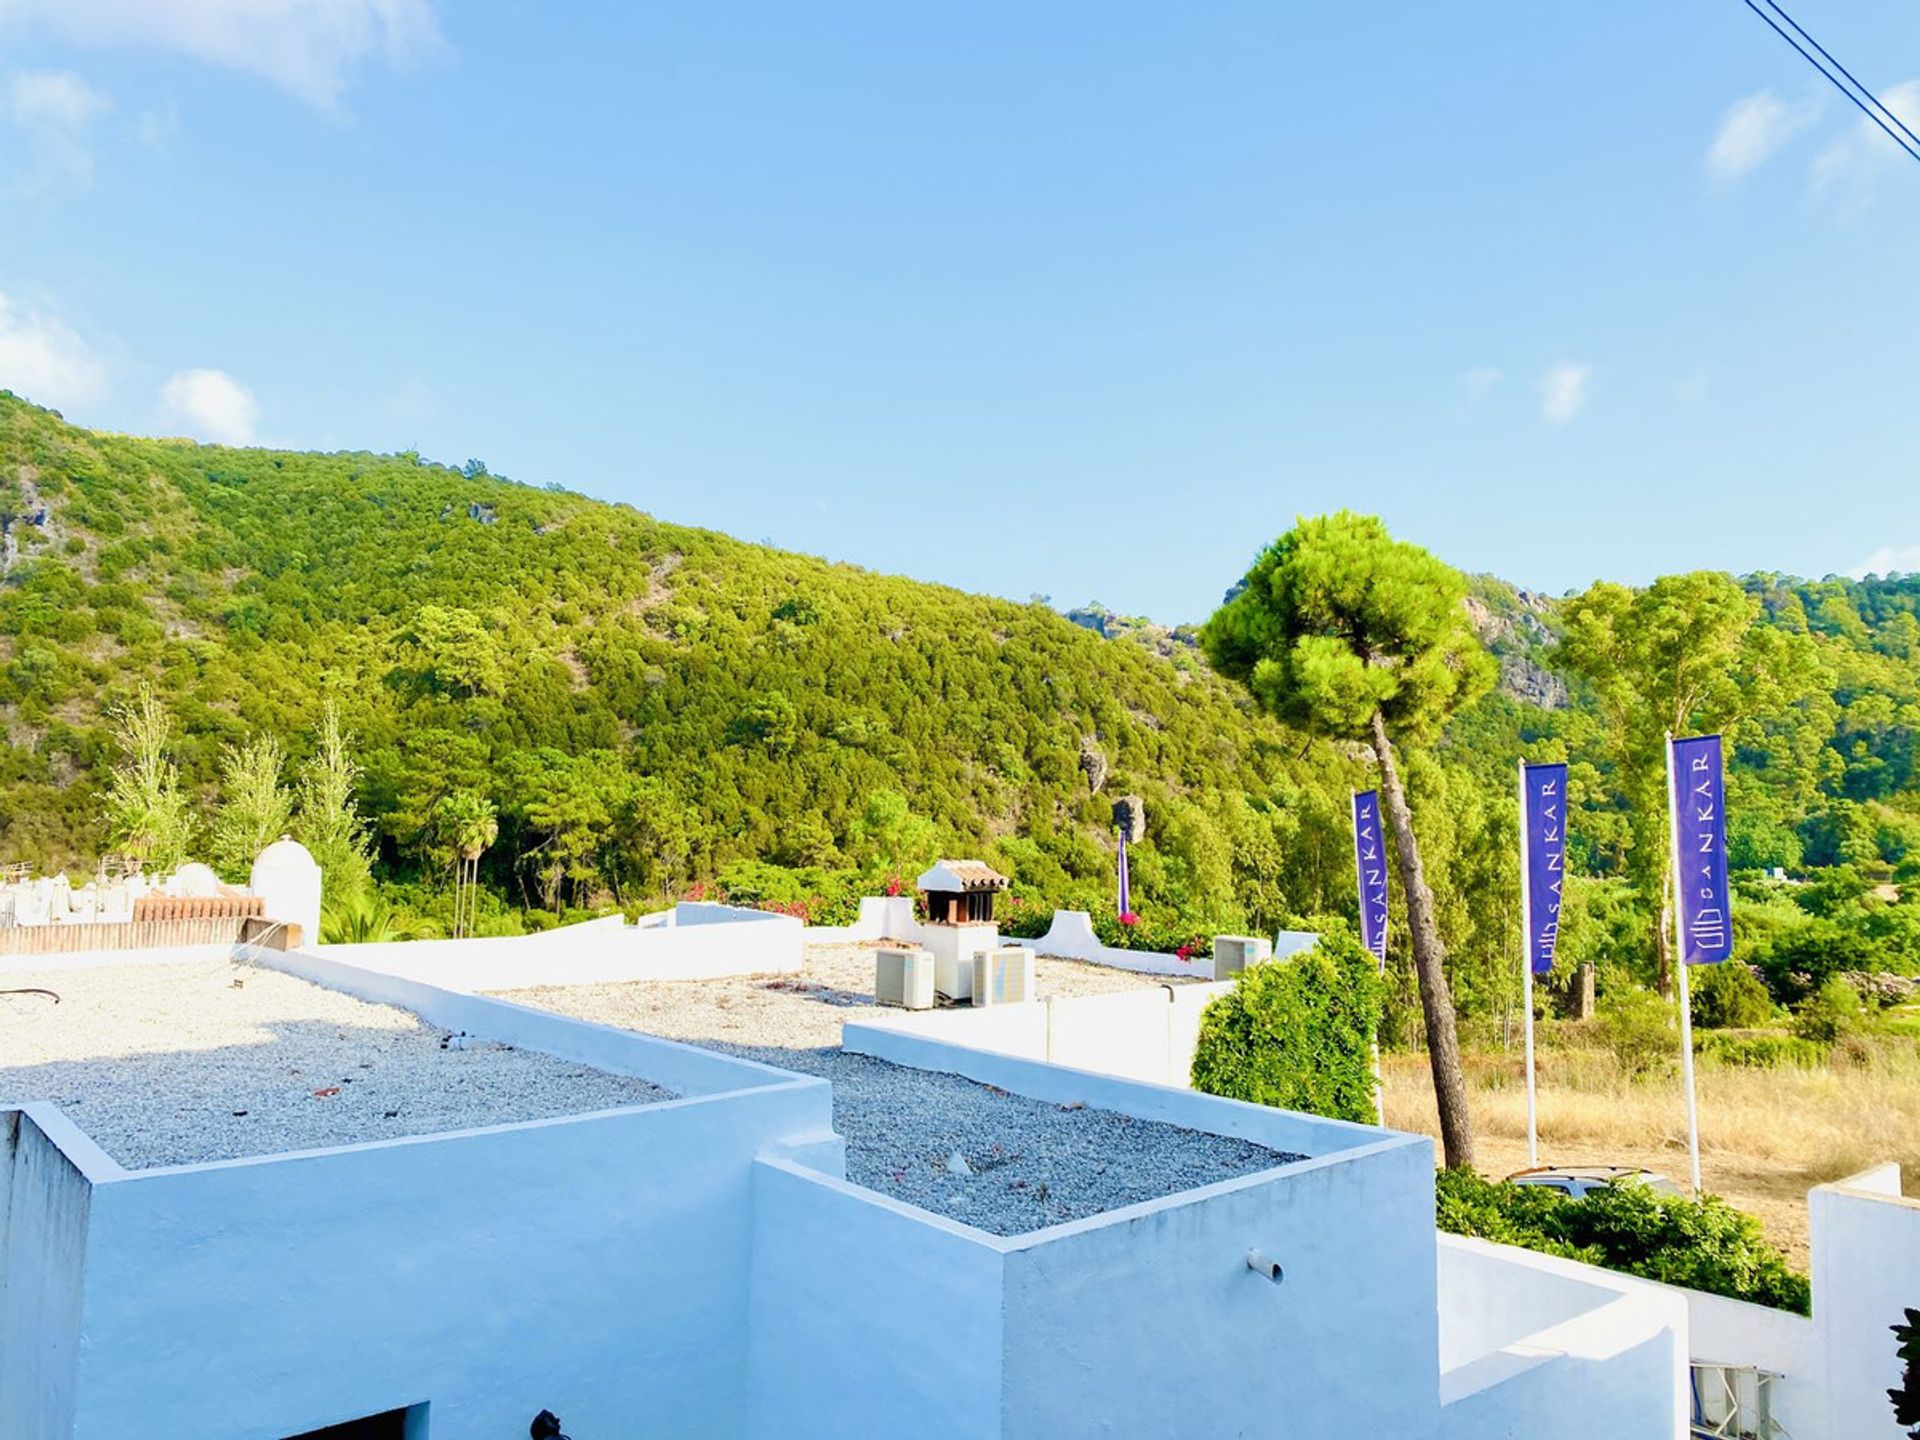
{"x": 1703, "y": 904}
{"x": 1543, "y": 865}
{"x": 1370, "y": 868}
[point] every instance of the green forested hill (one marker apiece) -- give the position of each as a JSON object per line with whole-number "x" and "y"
{"x": 645, "y": 704}
{"x": 648, "y": 708}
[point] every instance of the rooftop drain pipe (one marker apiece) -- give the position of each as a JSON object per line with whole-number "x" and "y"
{"x": 1265, "y": 1266}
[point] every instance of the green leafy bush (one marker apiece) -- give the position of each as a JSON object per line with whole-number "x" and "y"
{"x": 1639, "y": 1028}
{"x": 1702, "y": 1244}
{"x": 1906, "y": 1399}
{"x": 371, "y": 920}
{"x": 1729, "y": 996}
{"x": 1297, "y": 1033}
{"x": 1762, "y": 1052}
{"x": 1023, "y": 916}
{"x": 1157, "y": 931}
{"x": 1466, "y": 1203}
{"x": 1830, "y": 1014}
{"x": 1799, "y": 961}
{"x": 812, "y": 893}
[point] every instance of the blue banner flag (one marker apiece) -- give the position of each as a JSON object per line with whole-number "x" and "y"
{"x": 1700, "y": 850}
{"x": 1370, "y": 865}
{"x": 1543, "y": 790}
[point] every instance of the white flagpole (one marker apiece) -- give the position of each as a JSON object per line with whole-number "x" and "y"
{"x": 1526, "y": 971}
{"x": 1680, "y": 963}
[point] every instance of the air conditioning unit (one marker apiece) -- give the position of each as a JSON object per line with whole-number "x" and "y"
{"x": 903, "y": 978}
{"x": 1234, "y": 953}
{"x": 1003, "y": 976}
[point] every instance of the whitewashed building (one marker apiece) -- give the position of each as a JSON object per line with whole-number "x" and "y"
{"x": 692, "y": 1261}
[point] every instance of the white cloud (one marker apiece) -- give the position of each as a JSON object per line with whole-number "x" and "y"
{"x": 1480, "y": 381}
{"x": 1857, "y": 159}
{"x": 307, "y": 46}
{"x": 43, "y": 360}
{"x": 1563, "y": 391}
{"x": 56, "y": 109}
{"x": 215, "y": 406}
{"x": 54, "y": 100}
{"x": 1753, "y": 129}
{"x": 1888, "y": 560}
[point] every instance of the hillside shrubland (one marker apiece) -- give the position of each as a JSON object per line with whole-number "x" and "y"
{"x": 642, "y": 710}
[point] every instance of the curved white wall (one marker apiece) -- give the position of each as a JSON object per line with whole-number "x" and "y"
{"x": 690, "y": 942}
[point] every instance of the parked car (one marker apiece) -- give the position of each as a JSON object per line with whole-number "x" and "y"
{"x": 1580, "y": 1180}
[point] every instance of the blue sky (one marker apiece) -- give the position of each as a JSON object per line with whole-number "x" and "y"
{"x": 1084, "y": 299}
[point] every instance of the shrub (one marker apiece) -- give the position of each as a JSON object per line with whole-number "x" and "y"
{"x": 1466, "y": 1203}
{"x": 1638, "y": 1027}
{"x": 1762, "y": 1052}
{"x": 1297, "y": 1033}
{"x": 1729, "y": 996}
{"x": 1905, "y": 1025}
{"x": 1158, "y": 930}
{"x": 1881, "y": 990}
{"x": 370, "y": 920}
{"x": 812, "y": 893}
{"x": 1906, "y": 1400}
{"x": 1702, "y": 1244}
{"x": 1830, "y": 1014}
{"x": 1798, "y": 962}
{"x": 1023, "y": 917}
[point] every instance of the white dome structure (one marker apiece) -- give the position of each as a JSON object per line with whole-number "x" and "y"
{"x": 195, "y": 880}
{"x": 287, "y": 880}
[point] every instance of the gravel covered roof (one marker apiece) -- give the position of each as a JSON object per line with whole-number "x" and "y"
{"x": 185, "y": 1063}
{"x": 1026, "y": 1163}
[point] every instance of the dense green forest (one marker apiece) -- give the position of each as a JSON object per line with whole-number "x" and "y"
{"x": 596, "y": 708}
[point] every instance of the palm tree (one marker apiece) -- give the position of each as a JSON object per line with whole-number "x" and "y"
{"x": 467, "y": 826}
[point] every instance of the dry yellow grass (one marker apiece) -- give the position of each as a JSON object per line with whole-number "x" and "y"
{"x": 1766, "y": 1136}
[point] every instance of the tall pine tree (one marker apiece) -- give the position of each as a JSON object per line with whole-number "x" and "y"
{"x": 1349, "y": 633}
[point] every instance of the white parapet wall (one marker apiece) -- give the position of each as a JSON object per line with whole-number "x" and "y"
{"x": 1788, "y": 1347}
{"x": 1537, "y": 1348}
{"x": 1865, "y": 1238}
{"x": 882, "y": 917}
{"x": 1513, "y": 1323}
{"x": 594, "y": 1264}
{"x": 1146, "y": 1034}
{"x": 1143, "y": 1322}
{"x": 692, "y": 941}
{"x": 1069, "y": 937}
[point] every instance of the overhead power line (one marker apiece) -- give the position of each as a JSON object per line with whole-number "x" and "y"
{"x": 1839, "y": 76}
{"x": 1826, "y": 55}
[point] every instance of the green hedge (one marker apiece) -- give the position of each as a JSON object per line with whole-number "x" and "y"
{"x": 1298, "y": 1033}
{"x": 1702, "y": 1244}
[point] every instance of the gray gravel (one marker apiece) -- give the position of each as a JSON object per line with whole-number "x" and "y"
{"x": 1032, "y": 1163}
{"x": 803, "y": 1011}
{"x": 174, "y": 1064}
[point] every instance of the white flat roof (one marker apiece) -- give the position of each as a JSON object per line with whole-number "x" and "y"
{"x": 212, "y": 1060}
{"x": 1028, "y": 1163}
